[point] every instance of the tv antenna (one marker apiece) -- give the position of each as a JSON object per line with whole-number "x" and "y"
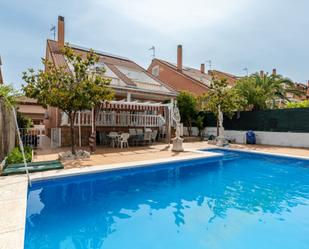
{"x": 209, "y": 64}
{"x": 53, "y": 31}
{"x": 246, "y": 70}
{"x": 153, "y": 51}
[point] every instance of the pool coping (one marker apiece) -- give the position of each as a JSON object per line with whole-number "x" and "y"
{"x": 254, "y": 152}
{"x": 12, "y": 232}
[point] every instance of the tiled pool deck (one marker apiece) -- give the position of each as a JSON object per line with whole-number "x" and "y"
{"x": 13, "y": 189}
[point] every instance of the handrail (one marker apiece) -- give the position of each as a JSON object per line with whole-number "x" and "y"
{"x": 117, "y": 119}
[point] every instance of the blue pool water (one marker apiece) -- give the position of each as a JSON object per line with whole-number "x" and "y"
{"x": 238, "y": 201}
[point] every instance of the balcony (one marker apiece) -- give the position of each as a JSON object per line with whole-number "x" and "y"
{"x": 115, "y": 119}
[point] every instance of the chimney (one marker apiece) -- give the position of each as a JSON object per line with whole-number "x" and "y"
{"x": 179, "y": 57}
{"x": 203, "y": 68}
{"x": 60, "y": 31}
{"x": 274, "y": 72}
{"x": 262, "y": 73}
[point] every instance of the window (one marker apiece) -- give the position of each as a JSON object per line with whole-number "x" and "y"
{"x": 155, "y": 70}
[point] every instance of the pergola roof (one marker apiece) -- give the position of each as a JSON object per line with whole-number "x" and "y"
{"x": 132, "y": 105}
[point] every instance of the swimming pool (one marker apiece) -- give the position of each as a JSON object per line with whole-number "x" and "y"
{"x": 238, "y": 200}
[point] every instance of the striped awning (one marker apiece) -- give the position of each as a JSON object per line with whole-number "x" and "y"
{"x": 131, "y": 106}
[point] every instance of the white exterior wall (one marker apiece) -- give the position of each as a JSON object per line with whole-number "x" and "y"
{"x": 292, "y": 139}
{"x": 194, "y": 131}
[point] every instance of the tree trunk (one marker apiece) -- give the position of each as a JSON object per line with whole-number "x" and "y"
{"x": 189, "y": 128}
{"x": 217, "y": 127}
{"x": 72, "y": 118}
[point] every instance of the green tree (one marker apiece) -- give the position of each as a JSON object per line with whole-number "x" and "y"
{"x": 220, "y": 95}
{"x": 263, "y": 91}
{"x": 200, "y": 124}
{"x": 24, "y": 122}
{"x": 81, "y": 88}
{"x": 186, "y": 103}
{"x": 9, "y": 95}
{"x": 302, "y": 104}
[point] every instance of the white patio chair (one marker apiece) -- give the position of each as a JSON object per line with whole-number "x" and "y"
{"x": 123, "y": 140}
{"x": 147, "y": 137}
{"x": 139, "y": 131}
{"x": 148, "y": 130}
{"x": 113, "y": 135}
{"x": 162, "y": 132}
{"x": 154, "y": 135}
{"x": 132, "y": 132}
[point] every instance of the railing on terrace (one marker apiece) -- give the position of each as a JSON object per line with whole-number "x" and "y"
{"x": 117, "y": 119}
{"x": 31, "y": 137}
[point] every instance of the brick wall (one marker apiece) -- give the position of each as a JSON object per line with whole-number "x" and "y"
{"x": 176, "y": 80}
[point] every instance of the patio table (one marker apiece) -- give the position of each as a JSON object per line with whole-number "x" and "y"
{"x": 114, "y": 139}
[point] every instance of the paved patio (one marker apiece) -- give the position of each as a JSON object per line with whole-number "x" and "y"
{"x": 115, "y": 155}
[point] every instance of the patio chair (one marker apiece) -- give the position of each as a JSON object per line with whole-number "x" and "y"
{"x": 113, "y": 136}
{"x": 154, "y": 135}
{"x": 104, "y": 139}
{"x": 147, "y": 137}
{"x": 148, "y": 130}
{"x": 123, "y": 140}
{"x": 139, "y": 131}
{"x": 133, "y": 137}
{"x": 132, "y": 132}
{"x": 162, "y": 132}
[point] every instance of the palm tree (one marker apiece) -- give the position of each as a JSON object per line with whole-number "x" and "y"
{"x": 263, "y": 91}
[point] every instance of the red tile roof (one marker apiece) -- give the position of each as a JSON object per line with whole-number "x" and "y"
{"x": 114, "y": 63}
{"x": 203, "y": 78}
{"x": 189, "y": 72}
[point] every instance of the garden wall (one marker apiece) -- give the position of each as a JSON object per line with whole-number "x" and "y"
{"x": 279, "y": 120}
{"x": 7, "y": 131}
{"x": 283, "y": 127}
{"x": 292, "y": 139}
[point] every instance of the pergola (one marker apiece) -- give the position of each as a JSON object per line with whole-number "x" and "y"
{"x": 122, "y": 105}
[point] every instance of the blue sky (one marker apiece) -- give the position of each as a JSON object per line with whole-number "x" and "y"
{"x": 234, "y": 34}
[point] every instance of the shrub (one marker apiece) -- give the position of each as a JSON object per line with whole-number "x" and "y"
{"x": 302, "y": 104}
{"x": 24, "y": 122}
{"x": 16, "y": 156}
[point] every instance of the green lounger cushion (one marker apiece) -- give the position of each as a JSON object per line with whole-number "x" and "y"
{"x": 32, "y": 167}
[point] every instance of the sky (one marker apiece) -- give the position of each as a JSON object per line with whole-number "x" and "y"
{"x": 233, "y": 34}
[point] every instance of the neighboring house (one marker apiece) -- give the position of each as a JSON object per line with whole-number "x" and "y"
{"x": 302, "y": 88}
{"x": 230, "y": 78}
{"x": 139, "y": 96}
{"x": 182, "y": 78}
{"x": 29, "y": 108}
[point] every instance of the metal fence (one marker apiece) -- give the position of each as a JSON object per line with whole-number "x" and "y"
{"x": 31, "y": 137}
{"x": 279, "y": 120}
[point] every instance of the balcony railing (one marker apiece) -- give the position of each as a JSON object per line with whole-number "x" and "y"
{"x": 121, "y": 119}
